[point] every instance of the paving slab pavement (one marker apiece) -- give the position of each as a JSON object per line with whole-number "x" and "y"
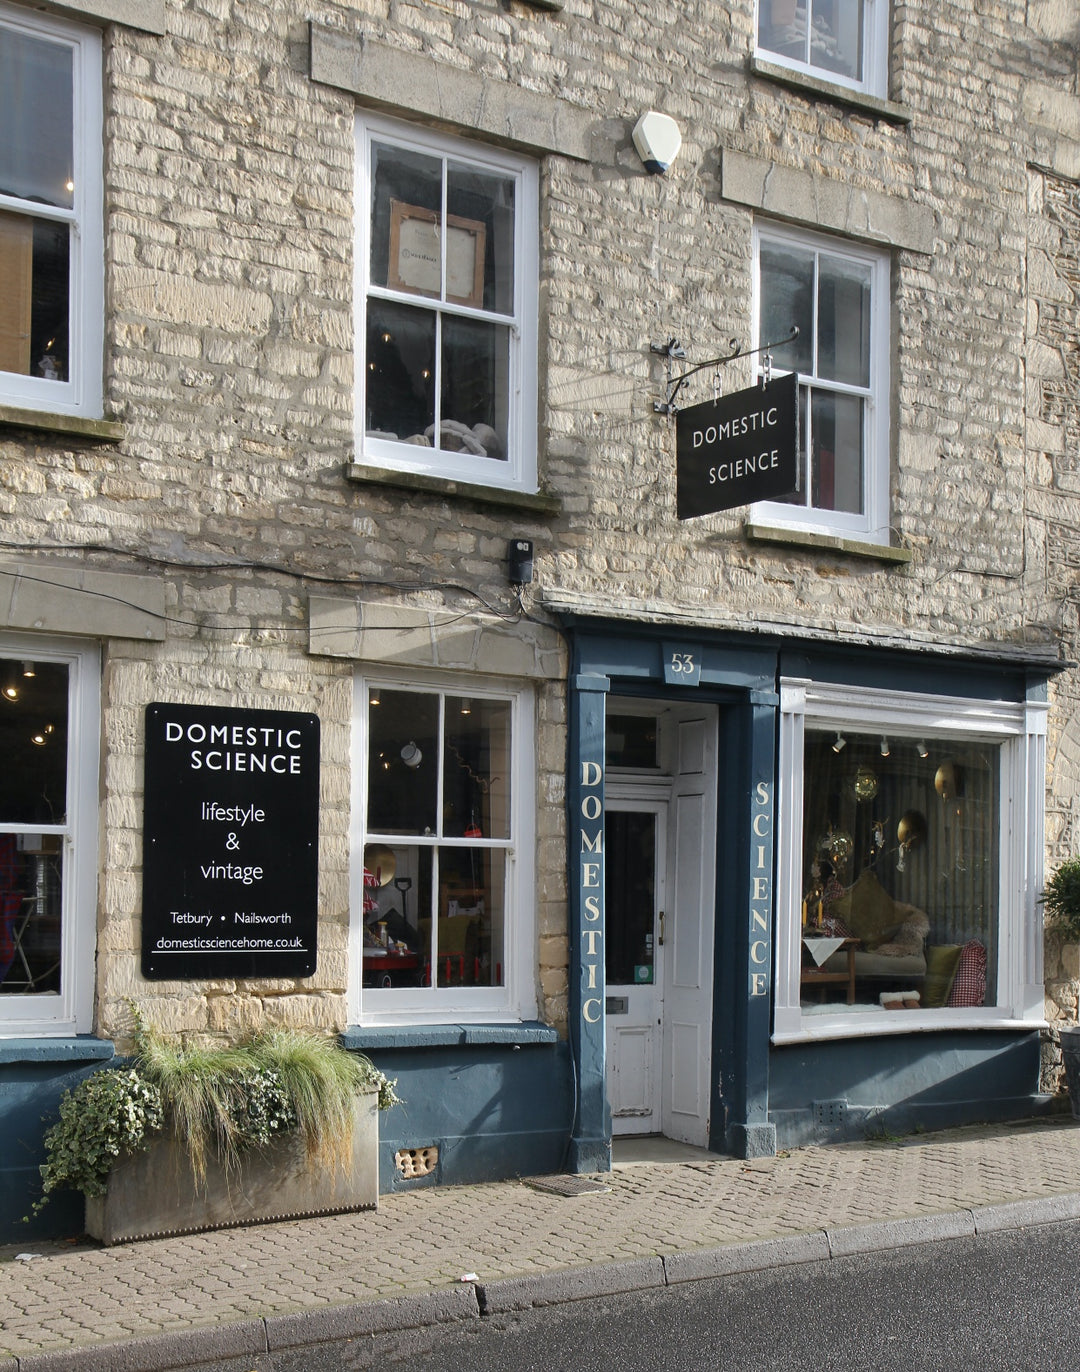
{"x": 453, "y": 1253}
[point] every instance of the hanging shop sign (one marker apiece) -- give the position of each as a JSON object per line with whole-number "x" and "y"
{"x": 738, "y": 448}
{"x": 230, "y": 843}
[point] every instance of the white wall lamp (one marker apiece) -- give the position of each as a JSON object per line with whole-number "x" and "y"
{"x": 658, "y": 140}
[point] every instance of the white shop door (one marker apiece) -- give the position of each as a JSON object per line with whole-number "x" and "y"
{"x": 659, "y": 889}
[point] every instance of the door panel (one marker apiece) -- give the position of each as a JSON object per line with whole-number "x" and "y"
{"x": 687, "y": 1038}
{"x": 634, "y": 990}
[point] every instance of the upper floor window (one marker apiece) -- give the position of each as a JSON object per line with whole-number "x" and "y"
{"x": 51, "y": 273}
{"x": 49, "y": 723}
{"x": 837, "y": 294}
{"x": 442, "y": 895}
{"x": 845, "y": 41}
{"x": 447, "y": 267}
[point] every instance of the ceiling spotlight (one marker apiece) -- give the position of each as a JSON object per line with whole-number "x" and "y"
{"x": 840, "y": 744}
{"x": 466, "y": 705}
{"x": 411, "y": 755}
{"x": 375, "y": 696}
{"x": 28, "y": 669}
{"x": 922, "y": 749}
{"x": 884, "y": 746}
{"x": 11, "y": 690}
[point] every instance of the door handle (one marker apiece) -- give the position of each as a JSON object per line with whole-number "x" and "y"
{"x": 661, "y": 928}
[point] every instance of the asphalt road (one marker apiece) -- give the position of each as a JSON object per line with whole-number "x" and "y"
{"x": 1005, "y": 1302}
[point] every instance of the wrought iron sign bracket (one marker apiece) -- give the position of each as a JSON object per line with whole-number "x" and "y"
{"x": 673, "y": 351}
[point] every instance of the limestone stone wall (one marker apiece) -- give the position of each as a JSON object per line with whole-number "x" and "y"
{"x": 229, "y": 362}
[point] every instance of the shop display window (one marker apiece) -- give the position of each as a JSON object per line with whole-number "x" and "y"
{"x": 437, "y": 888}
{"x": 48, "y": 732}
{"x": 910, "y": 841}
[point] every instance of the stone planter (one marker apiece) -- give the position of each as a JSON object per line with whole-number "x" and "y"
{"x": 154, "y": 1194}
{"x": 1070, "y": 1058}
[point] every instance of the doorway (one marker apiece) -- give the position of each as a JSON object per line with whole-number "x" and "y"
{"x": 660, "y": 861}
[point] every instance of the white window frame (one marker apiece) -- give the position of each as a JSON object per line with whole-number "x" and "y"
{"x": 872, "y": 525}
{"x": 1020, "y": 730}
{"x": 81, "y": 393}
{"x": 71, "y": 1011}
{"x": 518, "y": 471}
{"x": 515, "y": 1000}
{"x": 875, "y": 74}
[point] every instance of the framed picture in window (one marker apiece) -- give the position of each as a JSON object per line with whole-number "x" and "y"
{"x": 416, "y": 255}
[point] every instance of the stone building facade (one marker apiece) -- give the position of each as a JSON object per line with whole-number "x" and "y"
{"x": 272, "y": 251}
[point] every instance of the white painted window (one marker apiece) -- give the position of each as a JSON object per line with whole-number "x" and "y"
{"x": 51, "y": 247}
{"x": 837, "y": 295}
{"x": 912, "y": 825}
{"x": 446, "y": 262}
{"x": 843, "y": 41}
{"x": 442, "y": 886}
{"x": 49, "y": 729}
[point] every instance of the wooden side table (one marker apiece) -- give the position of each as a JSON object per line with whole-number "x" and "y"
{"x": 811, "y": 975}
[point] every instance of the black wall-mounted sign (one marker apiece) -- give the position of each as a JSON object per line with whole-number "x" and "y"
{"x": 738, "y": 449}
{"x": 230, "y": 843}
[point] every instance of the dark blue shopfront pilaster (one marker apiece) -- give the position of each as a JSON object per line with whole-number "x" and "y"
{"x": 590, "y": 1139}
{"x": 745, "y": 972}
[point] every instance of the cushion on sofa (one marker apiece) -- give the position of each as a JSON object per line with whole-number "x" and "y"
{"x": 877, "y": 920}
{"x": 942, "y": 960}
{"x": 969, "y": 984}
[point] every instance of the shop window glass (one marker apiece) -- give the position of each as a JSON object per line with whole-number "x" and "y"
{"x": 436, "y": 851}
{"x": 909, "y": 844}
{"x": 48, "y": 740}
{"x": 901, "y": 859}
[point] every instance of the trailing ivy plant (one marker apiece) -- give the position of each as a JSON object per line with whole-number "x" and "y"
{"x": 108, "y": 1116}
{"x": 217, "y": 1101}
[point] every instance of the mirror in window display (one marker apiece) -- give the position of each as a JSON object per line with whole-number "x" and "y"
{"x": 900, "y": 861}
{"x": 476, "y": 768}
{"x": 33, "y": 792}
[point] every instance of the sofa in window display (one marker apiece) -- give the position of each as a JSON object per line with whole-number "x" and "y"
{"x": 892, "y": 935}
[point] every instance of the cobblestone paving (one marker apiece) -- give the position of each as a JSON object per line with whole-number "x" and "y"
{"x": 78, "y": 1294}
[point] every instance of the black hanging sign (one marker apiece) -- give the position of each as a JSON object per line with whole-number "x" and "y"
{"x": 230, "y": 843}
{"x": 737, "y": 449}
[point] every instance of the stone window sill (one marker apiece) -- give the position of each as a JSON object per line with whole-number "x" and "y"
{"x": 96, "y": 430}
{"x": 80, "y": 1049}
{"x": 538, "y": 504}
{"x": 814, "y": 86}
{"x": 518, "y": 1035}
{"x": 804, "y": 538}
